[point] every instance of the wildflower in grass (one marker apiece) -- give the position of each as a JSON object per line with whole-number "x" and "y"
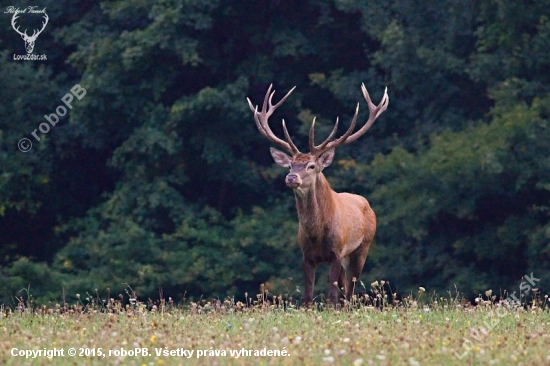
{"x": 421, "y": 289}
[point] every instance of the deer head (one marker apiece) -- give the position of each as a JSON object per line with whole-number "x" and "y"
{"x": 304, "y": 167}
{"x": 29, "y": 40}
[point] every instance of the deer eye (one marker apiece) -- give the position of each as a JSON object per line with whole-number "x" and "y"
{"x": 311, "y": 167}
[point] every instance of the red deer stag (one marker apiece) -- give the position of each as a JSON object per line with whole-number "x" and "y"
{"x": 337, "y": 228}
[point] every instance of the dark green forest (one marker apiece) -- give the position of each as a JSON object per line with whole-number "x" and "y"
{"x": 157, "y": 178}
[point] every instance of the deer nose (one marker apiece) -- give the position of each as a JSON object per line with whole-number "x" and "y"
{"x": 293, "y": 180}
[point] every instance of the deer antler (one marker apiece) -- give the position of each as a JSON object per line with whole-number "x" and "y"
{"x": 43, "y": 25}
{"x": 262, "y": 117}
{"x": 13, "y": 19}
{"x": 35, "y": 33}
{"x": 348, "y": 137}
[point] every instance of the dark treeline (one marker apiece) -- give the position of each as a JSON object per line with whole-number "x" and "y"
{"x": 158, "y": 177}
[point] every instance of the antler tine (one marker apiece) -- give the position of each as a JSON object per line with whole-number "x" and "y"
{"x": 267, "y": 98}
{"x": 13, "y": 19}
{"x": 383, "y": 103}
{"x": 257, "y": 120}
{"x": 282, "y": 100}
{"x": 252, "y": 108}
{"x": 327, "y": 144}
{"x": 289, "y": 140}
{"x": 343, "y": 138}
{"x": 262, "y": 118}
{"x": 46, "y": 18}
{"x": 312, "y": 136}
{"x": 256, "y": 117}
{"x": 374, "y": 112}
{"x": 312, "y": 148}
{"x": 332, "y": 133}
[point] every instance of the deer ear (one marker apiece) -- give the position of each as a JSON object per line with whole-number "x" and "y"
{"x": 326, "y": 158}
{"x": 281, "y": 159}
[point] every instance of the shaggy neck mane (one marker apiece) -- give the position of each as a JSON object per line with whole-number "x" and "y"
{"x": 315, "y": 207}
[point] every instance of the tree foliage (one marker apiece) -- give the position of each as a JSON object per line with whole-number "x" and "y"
{"x": 159, "y": 178}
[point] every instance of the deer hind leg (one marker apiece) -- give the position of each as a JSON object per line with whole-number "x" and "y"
{"x": 356, "y": 263}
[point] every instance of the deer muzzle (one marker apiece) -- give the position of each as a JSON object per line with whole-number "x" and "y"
{"x": 293, "y": 180}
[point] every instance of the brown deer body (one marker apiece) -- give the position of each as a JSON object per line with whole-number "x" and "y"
{"x": 337, "y": 228}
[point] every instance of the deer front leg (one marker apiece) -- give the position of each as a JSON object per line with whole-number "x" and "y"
{"x": 343, "y": 282}
{"x": 309, "y": 276}
{"x": 334, "y": 276}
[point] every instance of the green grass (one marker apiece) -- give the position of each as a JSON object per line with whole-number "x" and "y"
{"x": 406, "y": 332}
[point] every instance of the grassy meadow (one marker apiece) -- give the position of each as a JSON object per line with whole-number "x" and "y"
{"x": 419, "y": 329}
